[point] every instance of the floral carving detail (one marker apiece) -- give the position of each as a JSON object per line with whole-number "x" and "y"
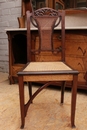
{"x": 46, "y": 11}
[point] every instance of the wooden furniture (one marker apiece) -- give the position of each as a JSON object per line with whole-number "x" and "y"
{"x": 75, "y": 36}
{"x": 17, "y": 52}
{"x": 26, "y": 5}
{"x": 46, "y": 19}
{"x": 56, "y": 4}
{"x": 76, "y": 51}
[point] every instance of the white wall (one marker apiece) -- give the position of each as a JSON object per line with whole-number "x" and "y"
{"x": 9, "y": 11}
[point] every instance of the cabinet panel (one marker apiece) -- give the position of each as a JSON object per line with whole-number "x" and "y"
{"x": 17, "y": 52}
{"x": 81, "y": 3}
{"x": 82, "y": 79}
{"x": 76, "y": 51}
{"x": 76, "y": 45}
{"x": 76, "y": 62}
{"x": 75, "y": 3}
{"x": 15, "y": 68}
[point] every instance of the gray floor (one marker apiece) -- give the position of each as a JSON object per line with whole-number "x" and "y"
{"x": 45, "y": 113}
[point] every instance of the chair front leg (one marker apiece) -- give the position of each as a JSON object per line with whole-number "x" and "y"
{"x": 73, "y": 100}
{"x": 21, "y": 98}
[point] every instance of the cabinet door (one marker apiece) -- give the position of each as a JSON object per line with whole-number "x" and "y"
{"x": 26, "y": 5}
{"x": 75, "y": 3}
{"x": 81, "y": 3}
{"x": 42, "y": 3}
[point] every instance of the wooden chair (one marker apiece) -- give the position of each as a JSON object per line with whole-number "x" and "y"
{"x": 49, "y": 72}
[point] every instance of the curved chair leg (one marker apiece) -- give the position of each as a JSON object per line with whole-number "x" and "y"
{"x": 34, "y": 95}
{"x": 62, "y": 91}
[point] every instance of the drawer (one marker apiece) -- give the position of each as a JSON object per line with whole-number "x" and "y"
{"x": 79, "y": 64}
{"x": 75, "y": 44}
{"x": 81, "y": 77}
{"x": 75, "y": 62}
{"x": 78, "y": 48}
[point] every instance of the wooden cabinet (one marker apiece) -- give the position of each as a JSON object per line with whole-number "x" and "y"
{"x": 35, "y": 4}
{"x": 56, "y": 4}
{"x": 76, "y": 52}
{"x": 17, "y": 52}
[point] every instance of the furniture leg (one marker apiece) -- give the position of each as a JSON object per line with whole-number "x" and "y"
{"x": 73, "y": 100}
{"x": 11, "y": 80}
{"x": 30, "y": 89}
{"x": 22, "y": 107}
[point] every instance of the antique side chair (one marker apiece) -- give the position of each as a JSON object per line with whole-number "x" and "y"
{"x": 48, "y": 72}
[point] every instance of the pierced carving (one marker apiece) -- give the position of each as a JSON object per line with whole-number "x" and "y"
{"x": 46, "y": 11}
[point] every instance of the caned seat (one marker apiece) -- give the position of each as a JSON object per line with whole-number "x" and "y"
{"x": 48, "y": 72}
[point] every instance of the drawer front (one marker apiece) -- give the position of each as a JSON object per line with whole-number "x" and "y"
{"x": 78, "y": 48}
{"x": 79, "y": 64}
{"x": 75, "y": 53}
{"x": 81, "y": 77}
{"x": 76, "y": 63}
{"x": 76, "y": 44}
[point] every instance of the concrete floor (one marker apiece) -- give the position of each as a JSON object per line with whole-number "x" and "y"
{"x": 45, "y": 113}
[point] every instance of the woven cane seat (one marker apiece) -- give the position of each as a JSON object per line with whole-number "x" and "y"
{"x": 46, "y": 66}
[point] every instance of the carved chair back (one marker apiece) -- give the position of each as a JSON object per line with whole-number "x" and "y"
{"x": 47, "y": 21}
